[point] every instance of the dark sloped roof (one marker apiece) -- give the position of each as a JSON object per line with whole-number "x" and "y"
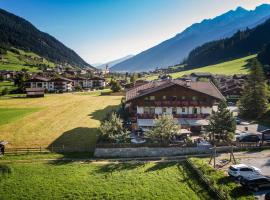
{"x": 39, "y": 79}
{"x": 96, "y": 78}
{"x": 62, "y": 79}
{"x": 202, "y": 74}
{"x": 207, "y": 88}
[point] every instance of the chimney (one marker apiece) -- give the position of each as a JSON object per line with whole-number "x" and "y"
{"x": 188, "y": 83}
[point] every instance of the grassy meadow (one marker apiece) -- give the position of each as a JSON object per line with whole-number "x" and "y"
{"x": 237, "y": 66}
{"x": 56, "y": 120}
{"x": 99, "y": 181}
{"x": 22, "y": 60}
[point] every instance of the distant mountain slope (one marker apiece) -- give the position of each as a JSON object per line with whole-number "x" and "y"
{"x": 241, "y": 44}
{"x": 114, "y": 62}
{"x": 19, "y": 33}
{"x": 174, "y": 50}
{"x": 237, "y": 66}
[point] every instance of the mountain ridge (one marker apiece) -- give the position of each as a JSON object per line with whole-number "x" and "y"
{"x": 242, "y": 43}
{"x": 114, "y": 62}
{"x": 174, "y": 50}
{"x": 17, "y": 32}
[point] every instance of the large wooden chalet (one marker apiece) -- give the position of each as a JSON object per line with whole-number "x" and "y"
{"x": 191, "y": 103}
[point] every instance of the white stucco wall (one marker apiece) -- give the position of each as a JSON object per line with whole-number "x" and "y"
{"x": 179, "y": 110}
{"x": 158, "y": 110}
{"x": 206, "y": 110}
{"x": 169, "y": 111}
{"x": 139, "y": 110}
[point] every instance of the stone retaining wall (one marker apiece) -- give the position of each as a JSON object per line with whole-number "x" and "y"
{"x": 147, "y": 152}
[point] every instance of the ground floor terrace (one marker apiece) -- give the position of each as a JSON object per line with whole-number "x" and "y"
{"x": 192, "y": 124}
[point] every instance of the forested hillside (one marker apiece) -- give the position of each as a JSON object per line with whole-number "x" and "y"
{"x": 243, "y": 43}
{"x": 19, "y": 33}
{"x": 264, "y": 55}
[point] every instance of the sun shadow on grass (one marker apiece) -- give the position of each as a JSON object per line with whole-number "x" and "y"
{"x": 161, "y": 166}
{"x": 116, "y": 167}
{"x": 101, "y": 113}
{"x": 75, "y": 143}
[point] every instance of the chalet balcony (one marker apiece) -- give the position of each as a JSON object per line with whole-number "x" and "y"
{"x": 176, "y": 103}
{"x": 178, "y": 116}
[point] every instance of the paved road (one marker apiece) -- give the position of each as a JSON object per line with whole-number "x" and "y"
{"x": 260, "y": 160}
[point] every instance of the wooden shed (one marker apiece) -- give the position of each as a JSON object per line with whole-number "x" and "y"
{"x": 35, "y": 92}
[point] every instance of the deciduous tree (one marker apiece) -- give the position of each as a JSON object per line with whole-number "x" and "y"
{"x": 165, "y": 128}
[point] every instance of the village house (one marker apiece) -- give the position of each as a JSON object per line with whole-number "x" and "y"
{"x": 59, "y": 84}
{"x": 97, "y": 82}
{"x": 81, "y": 82}
{"x": 191, "y": 103}
{"x": 7, "y": 74}
{"x": 232, "y": 88}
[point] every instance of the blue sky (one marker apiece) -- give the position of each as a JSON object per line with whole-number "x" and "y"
{"x": 104, "y": 30}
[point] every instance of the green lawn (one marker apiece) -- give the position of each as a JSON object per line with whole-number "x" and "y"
{"x": 8, "y": 115}
{"x": 99, "y": 181}
{"x": 223, "y": 183}
{"x": 237, "y": 66}
{"x": 69, "y": 120}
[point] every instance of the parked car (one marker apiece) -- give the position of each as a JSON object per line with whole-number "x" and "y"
{"x": 244, "y": 123}
{"x": 248, "y": 137}
{"x": 256, "y": 182}
{"x": 238, "y": 121}
{"x": 241, "y": 170}
{"x": 267, "y": 196}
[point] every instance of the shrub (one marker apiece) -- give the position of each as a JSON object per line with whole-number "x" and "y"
{"x": 4, "y": 169}
{"x": 112, "y": 128}
{"x": 4, "y": 92}
{"x": 115, "y": 86}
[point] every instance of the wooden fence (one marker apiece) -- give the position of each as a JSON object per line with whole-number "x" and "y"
{"x": 20, "y": 151}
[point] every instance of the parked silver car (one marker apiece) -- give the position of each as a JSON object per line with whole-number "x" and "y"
{"x": 241, "y": 170}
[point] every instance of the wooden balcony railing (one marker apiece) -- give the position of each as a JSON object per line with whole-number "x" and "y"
{"x": 178, "y": 116}
{"x": 176, "y": 103}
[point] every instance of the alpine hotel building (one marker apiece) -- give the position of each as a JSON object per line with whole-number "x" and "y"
{"x": 190, "y": 102}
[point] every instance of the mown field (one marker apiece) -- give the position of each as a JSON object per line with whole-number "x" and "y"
{"x": 99, "y": 181}
{"x": 71, "y": 120}
{"x": 237, "y": 66}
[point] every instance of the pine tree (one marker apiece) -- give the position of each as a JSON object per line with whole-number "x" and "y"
{"x": 222, "y": 124}
{"x": 253, "y": 103}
